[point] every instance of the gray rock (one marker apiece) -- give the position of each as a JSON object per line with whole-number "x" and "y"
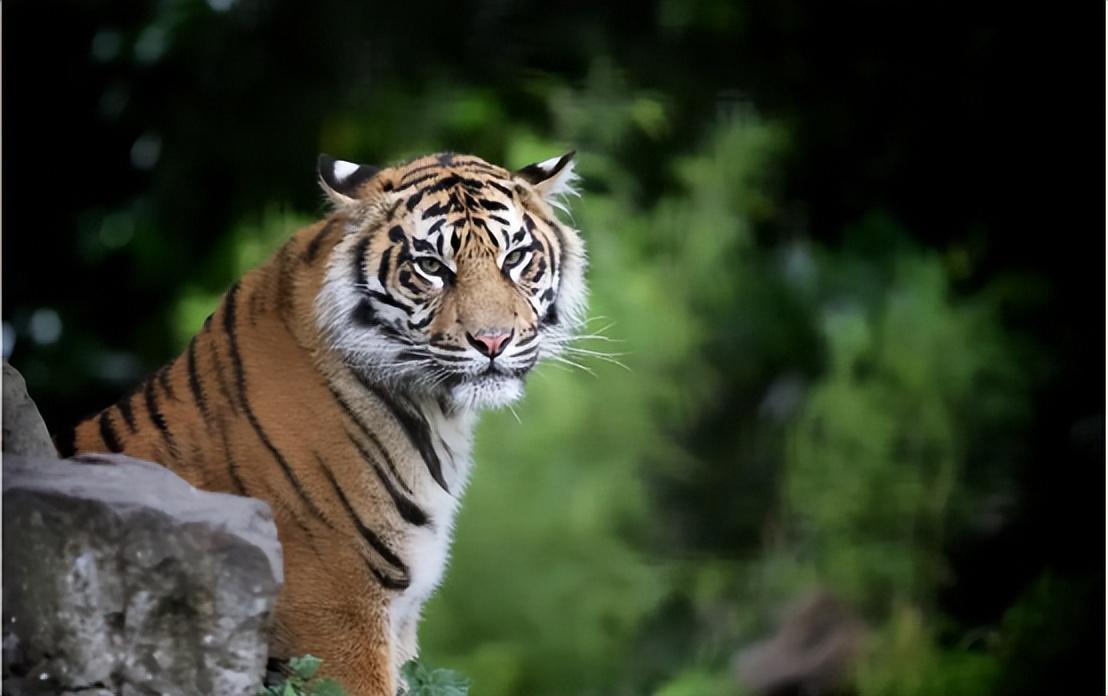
{"x": 119, "y": 575}
{"x": 24, "y": 431}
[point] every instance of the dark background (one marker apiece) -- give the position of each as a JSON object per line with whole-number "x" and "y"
{"x": 139, "y": 136}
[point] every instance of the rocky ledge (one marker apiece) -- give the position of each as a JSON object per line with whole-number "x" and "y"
{"x": 121, "y": 578}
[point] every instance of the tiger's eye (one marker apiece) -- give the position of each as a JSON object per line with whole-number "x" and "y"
{"x": 513, "y": 258}
{"x": 430, "y": 266}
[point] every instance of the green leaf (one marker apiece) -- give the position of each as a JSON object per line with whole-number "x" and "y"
{"x": 423, "y": 681}
{"x": 306, "y": 666}
{"x": 290, "y": 690}
{"x": 411, "y": 671}
{"x": 327, "y": 687}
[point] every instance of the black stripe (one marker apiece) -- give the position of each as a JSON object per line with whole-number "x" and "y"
{"x": 417, "y": 429}
{"x": 479, "y": 166}
{"x": 414, "y": 199}
{"x": 232, "y": 466}
{"x": 389, "y": 300}
{"x": 363, "y": 314}
{"x": 107, "y": 432}
{"x": 274, "y": 502}
{"x": 420, "y": 168}
{"x": 157, "y": 418}
{"x": 526, "y": 351}
{"x": 557, "y": 228}
{"x": 221, "y": 377}
{"x": 502, "y": 189}
{"x": 392, "y": 209}
{"x": 525, "y": 341}
{"x": 194, "y": 381}
{"x": 443, "y": 184}
{"x": 540, "y": 268}
{"x": 163, "y": 379}
{"x": 317, "y": 241}
{"x": 368, "y": 534}
{"x": 544, "y": 241}
{"x": 407, "y": 509}
{"x": 387, "y": 582}
{"x": 419, "y": 179}
{"x": 359, "y": 262}
{"x": 452, "y": 358}
{"x": 491, "y": 205}
{"x": 405, "y": 279}
{"x": 475, "y": 185}
{"x": 124, "y": 406}
{"x": 371, "y": 437}
{"x": 240, "y": 384}
{"x": 383, "y": 268}
{"x": 439, "y": 208}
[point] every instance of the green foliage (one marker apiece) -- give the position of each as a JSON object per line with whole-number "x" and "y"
{"x": 303, "y": 680}
{"x": 424, "y": 681}
{"x": 870, "y": 373}
{"x": 694, "y": 682}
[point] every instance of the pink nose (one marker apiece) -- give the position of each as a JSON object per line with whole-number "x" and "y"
{"x": 490, "y": 342}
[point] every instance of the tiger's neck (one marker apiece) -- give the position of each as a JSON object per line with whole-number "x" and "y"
{"x": 441, "y": 435}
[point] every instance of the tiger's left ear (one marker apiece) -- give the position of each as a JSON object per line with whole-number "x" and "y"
{"x": 552, "y": 177}
{"x": 341, "y": 180}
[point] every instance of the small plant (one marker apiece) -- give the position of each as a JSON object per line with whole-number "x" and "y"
{"x": 424, "y": 681}
{"x": 303, "y": 682}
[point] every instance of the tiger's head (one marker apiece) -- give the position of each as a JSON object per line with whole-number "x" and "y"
{"x": 454, "y": 276}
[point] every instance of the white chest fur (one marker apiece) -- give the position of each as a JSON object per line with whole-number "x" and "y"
{"x": 427, "y": 549}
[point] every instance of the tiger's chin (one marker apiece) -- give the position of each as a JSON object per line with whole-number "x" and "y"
{"x": 489, "y": 390}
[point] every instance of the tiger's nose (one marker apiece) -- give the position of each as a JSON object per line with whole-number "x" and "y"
{"x": 490, "y": 342}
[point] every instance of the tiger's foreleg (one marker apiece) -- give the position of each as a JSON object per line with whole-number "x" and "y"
{"x": 338, "y": 613}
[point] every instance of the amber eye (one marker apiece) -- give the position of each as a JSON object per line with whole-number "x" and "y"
{"x": 513, "y": 258}
{"x": 430, "y": 266}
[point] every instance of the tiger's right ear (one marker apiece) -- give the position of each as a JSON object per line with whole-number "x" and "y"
{"x": 342, "y": 180}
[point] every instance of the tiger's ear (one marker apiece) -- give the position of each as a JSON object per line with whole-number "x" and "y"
{"x": 341, "y": 180}
{"x": 552, "y": 177}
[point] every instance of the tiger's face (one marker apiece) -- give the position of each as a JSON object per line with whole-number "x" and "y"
{"x": 455, "y": 277}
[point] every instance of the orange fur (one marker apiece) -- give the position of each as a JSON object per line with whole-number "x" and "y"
{"x": 278, "y": 396}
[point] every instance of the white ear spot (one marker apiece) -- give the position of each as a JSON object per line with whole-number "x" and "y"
{"x": 343, "y": 169}
{"x": 553, "y": 179}
{"x": 548, "y": 165}
{"x": 562, "y": 183}
{"x": 341, "y": 179}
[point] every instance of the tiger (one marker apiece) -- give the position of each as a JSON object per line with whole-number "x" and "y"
{"x": 341, "y": 380}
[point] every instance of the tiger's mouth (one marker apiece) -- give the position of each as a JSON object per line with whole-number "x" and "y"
{"x": 493, "y": 375}
{"x": 496, "y": 371}
{"x": 494, "y": 386}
